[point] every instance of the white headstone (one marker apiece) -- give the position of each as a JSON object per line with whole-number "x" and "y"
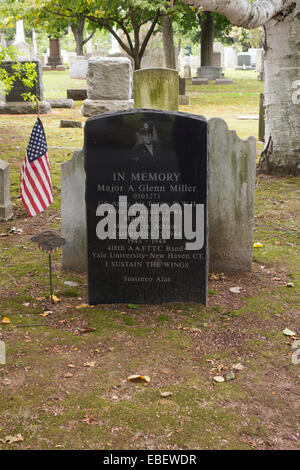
{"x": 34, "y": 44}
{"x": 20, "y": 44}
{"x": 79, "y": 68}
{"x": 115, "y": 48}
{"x": 230, "y": 57}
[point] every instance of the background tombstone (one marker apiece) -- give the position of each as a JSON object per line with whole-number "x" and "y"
{"x": 54, "y": 58}
{"x": 244, "y": 59}
{"x": 72, "y": 197}
{"x": 156, "y": 88}
{"x": 109, "y": 85}
{"x": 209, "y": 72}
{"x": 183, "y": 99}
{"x": 230, "y": 57}
{"x": 22, "y": 47}
{"x": 79, "y": 68}
{"x": 231, "y": 198}
{"x": 19, "y": 88}
{"x": 5, "y": 203}
{"x": 146, "y": 270}
{"x": 261, "y": 124}
{"x": 14, "y": 101}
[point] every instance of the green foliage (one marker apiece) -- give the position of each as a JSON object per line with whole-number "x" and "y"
{"x": 25, "y": 72}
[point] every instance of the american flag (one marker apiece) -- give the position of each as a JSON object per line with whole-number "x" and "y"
{"x": 36, "y": 186}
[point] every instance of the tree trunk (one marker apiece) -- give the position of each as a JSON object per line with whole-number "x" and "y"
{"x": 168, "y": 41}
{"x": 282, "y": 74}
{"x": 282, "y": 95}
{"x": 77, "y": 30}
{"x": 207, "y": 39}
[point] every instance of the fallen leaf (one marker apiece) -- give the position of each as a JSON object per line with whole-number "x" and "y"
{"x": 166, "y": 394}
{"x": 12, "y": 439}
{"x": 238, "y": 366}
{"x": 55, "y": 299}
{"x": 82, "y": 306}
{"x": 257, "y": 245}
{"x": 26, "y": 304}
{"x": 68, "y": 375}
{"x": 44, "y": 314}
{"x": 5, "y": 320}
{"x": 89, "y": 364}
{"x": 219, "y": 378}
{"x": 236, "y": 290}
{"x": 71, "y": 366}
{"x": 71, "y": 284}
{"x": 139, "y": 378}
{"x": 296, "y": 344}
{"x": 289, "y": 284}
{"x": 6, "y": 382}
{"x": 288, "y": 332}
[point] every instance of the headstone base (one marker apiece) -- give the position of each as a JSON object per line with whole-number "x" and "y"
{"x": 94, "y": 107}
{"x": 199, "y": 81}
{"x": 184, "y": 100}
{"x": 17, "y": 107}
{"x": 78, "y": 94}
{"x": 224, "y": 81}
{"x": 211, "y": 73}
{"x": 63, "y": 103}
{"x": 6, "y": 212}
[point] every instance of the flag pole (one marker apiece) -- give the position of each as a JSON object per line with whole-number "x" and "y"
{"x": 38, "y": 115}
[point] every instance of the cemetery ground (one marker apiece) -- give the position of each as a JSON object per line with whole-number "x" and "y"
{"x": 65, "y": 384}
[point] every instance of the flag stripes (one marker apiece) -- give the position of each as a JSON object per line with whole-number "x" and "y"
{"x": 36, "y": 187}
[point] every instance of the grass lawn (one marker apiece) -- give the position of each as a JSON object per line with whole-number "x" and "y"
{"x": 65, "y": 385}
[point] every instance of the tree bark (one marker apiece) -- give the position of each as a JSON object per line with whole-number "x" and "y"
{"x": 282, "y": 94}
{"x": 282, "y": 74}
{"x": 168, "y": 41}
{"x": 77, "y": 30}
{"x": 207, "y": 39}
{"x": 241, "y": 12}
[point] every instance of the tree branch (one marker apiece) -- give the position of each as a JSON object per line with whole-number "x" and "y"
{"x": 241, "y": 12}
{"x": 149, "y": 33}
{"x": 88, "y": 38}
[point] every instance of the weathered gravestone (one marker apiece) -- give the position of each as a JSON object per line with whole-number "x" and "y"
{"x": 146, "y": 200}
{"x": 244, "y": 59}
{"x": 109, "y": 85}
{"x": 5, "y": 204}
{"x": 231, "y": 198}
{"x": 156, "y": 88}
{"x": 73, "y": 213}
{"x": 79, "y": 68}
{"x": 208, "y": 72}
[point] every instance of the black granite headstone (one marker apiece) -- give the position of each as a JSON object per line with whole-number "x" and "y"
{"x": 19, "y": 88}
{"x": 146, "y": 200}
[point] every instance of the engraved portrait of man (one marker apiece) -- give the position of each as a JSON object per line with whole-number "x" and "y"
{"x": 147, "y": 148}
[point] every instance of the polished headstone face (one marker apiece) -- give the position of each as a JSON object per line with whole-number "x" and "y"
{"x": 146, "y": 202}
